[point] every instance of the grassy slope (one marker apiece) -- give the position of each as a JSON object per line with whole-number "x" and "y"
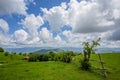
{"x": 16, "y": 69}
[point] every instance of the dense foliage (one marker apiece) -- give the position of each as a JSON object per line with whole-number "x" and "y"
{"x": 1, "y": 49}
{"x": 6, "y": 53}
{"x": 51, "y": 56}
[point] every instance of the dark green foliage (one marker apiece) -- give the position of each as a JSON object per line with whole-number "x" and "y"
{"x": 85, "y": 65}
{"x": 61, "y": 56}
{"x": 43, "y": 57}
{"x": 24, "y": 54}
{"x": 14, "y": 53}
{"x": 20, "y": 53}
{"x": 57, "y": 57}
{"x": 1, "y": 49}
{"x": 33, "y": 58}
{"x": 30, "y": 53}
{"x": 6, "y": 53}
{"x": 64, "y": 56}
{"x": 51, "y": 55}
{"x": 38, "y": 57}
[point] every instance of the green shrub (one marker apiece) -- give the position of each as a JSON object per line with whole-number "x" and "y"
{"x": 85, "y": 65}
{"x": 51, "y": 55}
{"x": 14, "y": 53}
{"x": 43, "y": 57}
{"x": 1, "y": 49}
{"x": 6, "y": 53}
{"x": 64, "y": 56}
{"x": 38, "y": 57}
{"x": 57, "y": 57}
{"x": 33, "y": 58}
{"x": 20, "y": 53}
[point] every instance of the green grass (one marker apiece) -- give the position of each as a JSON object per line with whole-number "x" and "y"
{"x": 14, "y": 68}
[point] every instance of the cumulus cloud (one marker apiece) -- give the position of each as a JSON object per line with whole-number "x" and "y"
{"x": 13, "y": 6}
{"x": 58, "y": 38}
{"x": 89, "y": 19}
{"x": 32, "y": 23}
{"x": 56, "y": 16}
{"x": 84, "y": 16}
{"x": 20, "y": 36}
{"x": 4, "y": 29}
{"x": 115, "y": 36}
{"x": 4, "y": 25}
{"x": 4, "y": 39}
{"x": 45, "y": 35}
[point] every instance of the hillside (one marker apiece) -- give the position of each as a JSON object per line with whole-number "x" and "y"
{"x": 48, "y": 50}
{"x": 14, "y": 68}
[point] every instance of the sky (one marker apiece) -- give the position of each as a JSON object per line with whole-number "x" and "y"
{"x": 59, "y": 23}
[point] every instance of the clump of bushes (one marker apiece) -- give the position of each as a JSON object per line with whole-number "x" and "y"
{"x": 64, "y": 56}
{"x": 51, "y": 56}
{"x": 33, "y": 58}
{"x": 38, "y": 57}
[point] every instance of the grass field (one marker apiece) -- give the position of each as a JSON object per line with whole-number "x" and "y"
{"x": 14, "y": 68}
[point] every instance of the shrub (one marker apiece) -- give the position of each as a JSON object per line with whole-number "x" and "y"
{"x": 64, "y": 56}
{"x": 43, "y": 57}
{"x": 20, "y": 53}
{"x": 6, "y": 53}
{"x": 85, "y": 65}
{"x": 57, "y": 57}
{"x": 51, "y": 55}
{"x": 38, "y": 57}
{"x": 33, "y": 58}
{"x": 14, "y": 53}
{"x": 1, "y": 49}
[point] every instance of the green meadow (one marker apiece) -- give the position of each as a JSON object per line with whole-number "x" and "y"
{"x": 12, "y": 67}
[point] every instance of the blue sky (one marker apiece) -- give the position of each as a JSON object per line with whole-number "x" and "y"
{"x": 59, "y": 23}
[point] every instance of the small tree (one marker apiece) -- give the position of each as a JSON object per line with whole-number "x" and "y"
{"x": 88, "y": 50}
{"x": 1, "y": 49}
{"x": 6, "y": 53}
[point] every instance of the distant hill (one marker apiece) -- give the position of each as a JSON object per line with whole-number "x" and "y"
{"x": 47, "y": 50}
{"x": 57, "y": 49}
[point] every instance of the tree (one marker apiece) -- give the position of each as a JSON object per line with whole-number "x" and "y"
{"x": 89, "y": 48}
{"x": 1, "y": 49}
{"x": 6, "y": 53}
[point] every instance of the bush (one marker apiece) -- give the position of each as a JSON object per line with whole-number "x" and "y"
{"x": 20, "y": 53}
{"x": 33, "y": 58}
{"x": 85, "y": 65}
{"x": 1, "y": 49}
{"x": 14, "y": 53}
{"x": 64, "y": 56}
{"x": 51, "y": 55}
{"x": 61, "y": 56}
{"x": 43, "y": 57}
{"x": 38, "y": 57}
{"x": 57, "y": 57}
{"x": 6, "y": 53}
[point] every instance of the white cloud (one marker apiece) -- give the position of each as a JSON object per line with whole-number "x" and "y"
{"x": 56, "y": 16}
{"x": 32, "y": 23}
{"x": 4, "y": 25}
{"x": 4, "y": 39}
{"x": 13, "y": 6}
{"x": 45, "y": 35}
{"x": 84, "y": 16}
{"x": 58, "y": 38}
{"x": 88, "y": 19}
{"x": 20, "y": 36}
